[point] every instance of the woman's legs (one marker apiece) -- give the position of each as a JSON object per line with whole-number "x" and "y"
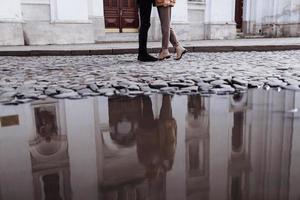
{"x": 173, "y": 38}
{"x": 165, "y": 20}
{"x": 168, "y": 34}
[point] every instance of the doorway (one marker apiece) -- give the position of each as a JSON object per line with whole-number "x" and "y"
{"x": 239, "y": 4}
{"x": 121, "y": 15}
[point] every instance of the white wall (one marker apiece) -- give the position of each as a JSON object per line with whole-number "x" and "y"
{"x": 272, "y": 17}
{"x": 179, "y": 11}
{"x": 81, "y": 129}
{"x": 10, "y": 10}
{"x": 15, "y": 159}
{"x": 95, "y": 8}
{"x": 69, "y": 10}
{"x": 295, "y": 11}
{"x": 219, "y": 11}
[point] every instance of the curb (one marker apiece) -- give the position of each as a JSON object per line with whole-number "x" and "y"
{"x": 78, "y": 52}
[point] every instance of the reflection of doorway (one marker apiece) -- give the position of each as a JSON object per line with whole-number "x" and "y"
{"x": 121, "y": 15}
{"x": 239, "y": 14}
{"x": 52, "y": 187}
{"x": 238, "y": 132}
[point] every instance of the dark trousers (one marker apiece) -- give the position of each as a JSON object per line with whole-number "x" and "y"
{"x": 145, "y": 7}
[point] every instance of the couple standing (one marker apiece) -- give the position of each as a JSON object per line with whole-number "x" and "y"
{"x": 164, "y": 11}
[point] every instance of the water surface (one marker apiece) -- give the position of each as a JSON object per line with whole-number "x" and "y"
{"x": 245, "y": 146}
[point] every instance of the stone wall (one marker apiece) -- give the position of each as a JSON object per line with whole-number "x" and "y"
{"x": 273, "y": 18}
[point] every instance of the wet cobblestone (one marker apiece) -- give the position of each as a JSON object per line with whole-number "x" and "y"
{"x": 23, "y": 79}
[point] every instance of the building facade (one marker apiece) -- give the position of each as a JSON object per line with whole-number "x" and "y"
{"x": 42, "y": 22}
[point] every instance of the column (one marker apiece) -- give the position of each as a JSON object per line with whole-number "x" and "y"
{"x": 10, "y": 23}
{"x": 96, "y": 15}
{"x": 248, "y": 21}
{"x": 102, "y": 127}
{"x": 219, "y": 19}
{"x": 253, "y": 16}
{"x": 294, "y": 192}
{"x": 180, "y": 19}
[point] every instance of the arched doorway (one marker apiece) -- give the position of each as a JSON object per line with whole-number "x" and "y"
{"x": 121, "y": 15}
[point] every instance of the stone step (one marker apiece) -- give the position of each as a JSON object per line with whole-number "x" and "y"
{"x": 247, "y": 36}
{"x": 118, "y": 37}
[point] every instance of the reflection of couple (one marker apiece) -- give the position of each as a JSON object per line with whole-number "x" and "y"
{"x": 164, "y": 10}
{"x": 156, "y": 138}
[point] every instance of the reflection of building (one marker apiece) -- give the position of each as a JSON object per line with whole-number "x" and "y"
{"x": 197, "y": 148}
{"x": 49, "y": 153}
{"x": 150, "y": 159}
{"x": 116, "y": 144}
{"x": 249, "y": 142}
{"x": 124, "y": 114}
{"x": 239, "y": 163}
{"x": 228, "y": 147}
{"x": 46, "y": 156}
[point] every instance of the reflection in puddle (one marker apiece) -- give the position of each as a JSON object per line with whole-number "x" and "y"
{"x": 153, "y": 148}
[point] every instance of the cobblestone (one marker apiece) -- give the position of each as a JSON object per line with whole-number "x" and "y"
{"x": 23, "y": 79}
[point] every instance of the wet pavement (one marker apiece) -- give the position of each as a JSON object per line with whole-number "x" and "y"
{"x": 25, "y": 79}
{"x": 159, "y": 147}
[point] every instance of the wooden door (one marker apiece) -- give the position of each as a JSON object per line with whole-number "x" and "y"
{"x": 111, "y": 13}
{"x": 121, "y": 14}
{"x": 239, "y": 13}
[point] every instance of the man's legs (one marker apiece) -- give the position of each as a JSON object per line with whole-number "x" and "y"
{"x": 145, "y": 7}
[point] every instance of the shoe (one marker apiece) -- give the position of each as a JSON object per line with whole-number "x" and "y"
{"x": 180, "y": 51}
{"x": 145, "y": 57}
{"x": 164, "y": 54}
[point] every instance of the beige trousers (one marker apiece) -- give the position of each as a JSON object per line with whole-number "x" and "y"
{"x": 168, "y": 33}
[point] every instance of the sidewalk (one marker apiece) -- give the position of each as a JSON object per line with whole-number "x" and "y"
{"x": 261, "y": 44}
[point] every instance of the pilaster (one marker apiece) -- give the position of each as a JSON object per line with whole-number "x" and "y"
{"x": 96, "y": 16}
{"x": 219, "y": 19}
{"x": 11, "y": 31}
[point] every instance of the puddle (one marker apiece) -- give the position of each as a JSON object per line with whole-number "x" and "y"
{"x": 160, "y": 147}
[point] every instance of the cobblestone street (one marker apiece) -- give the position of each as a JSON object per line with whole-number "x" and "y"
{"x": 23, "y": 79}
